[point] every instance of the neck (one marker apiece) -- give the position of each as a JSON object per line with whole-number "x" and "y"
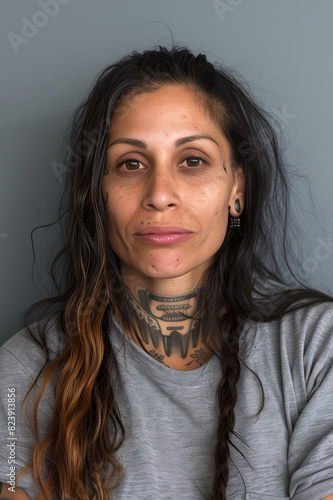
{"x": 167, "y": 328}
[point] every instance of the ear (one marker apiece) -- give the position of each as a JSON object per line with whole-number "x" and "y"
{"x": 238, "y": 191}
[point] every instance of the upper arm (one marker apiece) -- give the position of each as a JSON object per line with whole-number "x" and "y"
{"x": 310, "y": 458}
{"x": 16, "y": 379}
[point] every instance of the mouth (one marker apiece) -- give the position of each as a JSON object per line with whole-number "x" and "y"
{"x": 163, "y": 235}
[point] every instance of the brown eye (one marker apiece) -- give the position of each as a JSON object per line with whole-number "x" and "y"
{"x": 193, "y": 161}
{"x": 132, "y": 164}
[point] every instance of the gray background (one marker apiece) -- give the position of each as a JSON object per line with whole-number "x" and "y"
{"x": 283, "y": 47}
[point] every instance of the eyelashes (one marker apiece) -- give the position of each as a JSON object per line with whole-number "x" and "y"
{"x": 134, "y": 165}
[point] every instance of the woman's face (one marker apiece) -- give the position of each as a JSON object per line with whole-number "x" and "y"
{"x": 169, "y": 185}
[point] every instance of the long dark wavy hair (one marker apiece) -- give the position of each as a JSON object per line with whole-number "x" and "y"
{"x": 87, "y": 430}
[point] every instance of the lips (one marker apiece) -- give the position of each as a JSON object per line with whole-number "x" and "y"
{"x": 163, "y": 235}
{"x": 163, "y": 230}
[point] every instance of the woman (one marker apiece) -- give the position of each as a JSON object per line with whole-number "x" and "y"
{"x": 177, "y": 361}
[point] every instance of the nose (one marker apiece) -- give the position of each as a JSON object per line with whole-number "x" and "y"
{"x": 162, "y": 190}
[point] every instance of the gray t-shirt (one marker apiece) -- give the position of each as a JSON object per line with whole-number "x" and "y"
{"x": 170, "y": 416}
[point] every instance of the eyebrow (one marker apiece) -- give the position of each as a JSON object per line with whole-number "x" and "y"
{"x": 178, "y": 142}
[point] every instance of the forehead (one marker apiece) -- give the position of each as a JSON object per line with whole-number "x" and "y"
{"x": 167, "y": 107}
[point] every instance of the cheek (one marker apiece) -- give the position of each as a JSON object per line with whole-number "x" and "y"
{"x": 114, "y": 213}
{"x": 215, "y": 218}
{"x": 213, "y": 202}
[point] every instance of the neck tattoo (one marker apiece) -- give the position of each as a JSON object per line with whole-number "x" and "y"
{"x": 164, "y": 320}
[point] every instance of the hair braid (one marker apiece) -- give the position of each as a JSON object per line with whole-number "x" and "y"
{"x": 226, "y": 398}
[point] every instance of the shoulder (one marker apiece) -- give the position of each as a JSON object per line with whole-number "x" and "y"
{"x": 22, "y": 361}
{"x": 299, "y": 342}
{"x": 298, "y": 347}
{"x": 22, "y": 353}
{"x": 311, "y": 327}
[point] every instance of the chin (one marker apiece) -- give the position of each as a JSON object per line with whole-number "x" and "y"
{"x": 163, "y": 271}
{"x": 160, "y": 272}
